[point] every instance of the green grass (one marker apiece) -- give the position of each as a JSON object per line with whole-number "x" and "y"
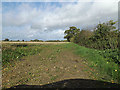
{"x": 97, "y": 60}
{"x": 103, "y": 61}
{"x": 13, "y": 52}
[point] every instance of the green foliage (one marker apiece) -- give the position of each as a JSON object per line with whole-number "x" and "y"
{"x": 71, "y": 33}
{"x": 56, "y": 41}
{"x": 53, "y": 41}
{"x": 36, "y": 40}
{"x": 6, "y": 39}
{"x": 111, "y": 55}
{"x": 104, "y": 36}
{"x": 14, "y": 52}
{"x": 83, "y": 37}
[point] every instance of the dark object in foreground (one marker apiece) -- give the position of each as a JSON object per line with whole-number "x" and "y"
{"x": 73, "y": 83}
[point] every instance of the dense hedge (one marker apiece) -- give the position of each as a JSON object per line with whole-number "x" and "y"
{"x": 103, "y": 37}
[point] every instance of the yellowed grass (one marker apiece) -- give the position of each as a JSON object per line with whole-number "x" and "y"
{"x": 39, "y": 42}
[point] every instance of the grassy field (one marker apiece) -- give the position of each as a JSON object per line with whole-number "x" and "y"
{"x": 40, "y": 64}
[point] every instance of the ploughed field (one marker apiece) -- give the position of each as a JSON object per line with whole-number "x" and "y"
{"x": 52, "y": 64}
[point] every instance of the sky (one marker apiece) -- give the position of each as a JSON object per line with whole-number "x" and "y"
{"x": 49, "y": 20}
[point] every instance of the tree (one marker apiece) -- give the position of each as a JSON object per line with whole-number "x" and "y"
{"x": 70, "y": 34}
{"x": 102, "y": 30}
{"x": 6, "y": 39}
{"x": 83, "y": 36}
{"x": 36, "y": 40}
{"x": 105, "y": 35}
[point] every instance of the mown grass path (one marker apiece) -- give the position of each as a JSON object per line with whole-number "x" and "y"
{"x": 54, "y": 63}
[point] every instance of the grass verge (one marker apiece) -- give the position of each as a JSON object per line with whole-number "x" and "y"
{"x": 98, "y": 61}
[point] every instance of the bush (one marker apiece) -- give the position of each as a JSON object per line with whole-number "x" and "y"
{"x": 36, "y": 40}
{"x": 6, "y": 39}
{"x": 104, "y": 36}
{"x": 53, "y": 41}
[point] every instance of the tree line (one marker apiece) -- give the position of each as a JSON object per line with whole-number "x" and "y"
{"x": 104, "y": 36}
{"x": 36, "y": 40}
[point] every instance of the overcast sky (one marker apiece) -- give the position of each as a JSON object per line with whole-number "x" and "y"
{"x": 49, "y": 20}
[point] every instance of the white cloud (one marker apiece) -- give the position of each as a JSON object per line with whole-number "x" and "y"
{"x": 50, "y": 23}
{"x": 59, "y": 0}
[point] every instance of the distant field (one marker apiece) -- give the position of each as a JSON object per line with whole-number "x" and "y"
{"x": 39, "y": 42}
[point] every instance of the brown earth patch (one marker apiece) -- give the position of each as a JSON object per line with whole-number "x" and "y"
{"x": 51, "y": 65}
